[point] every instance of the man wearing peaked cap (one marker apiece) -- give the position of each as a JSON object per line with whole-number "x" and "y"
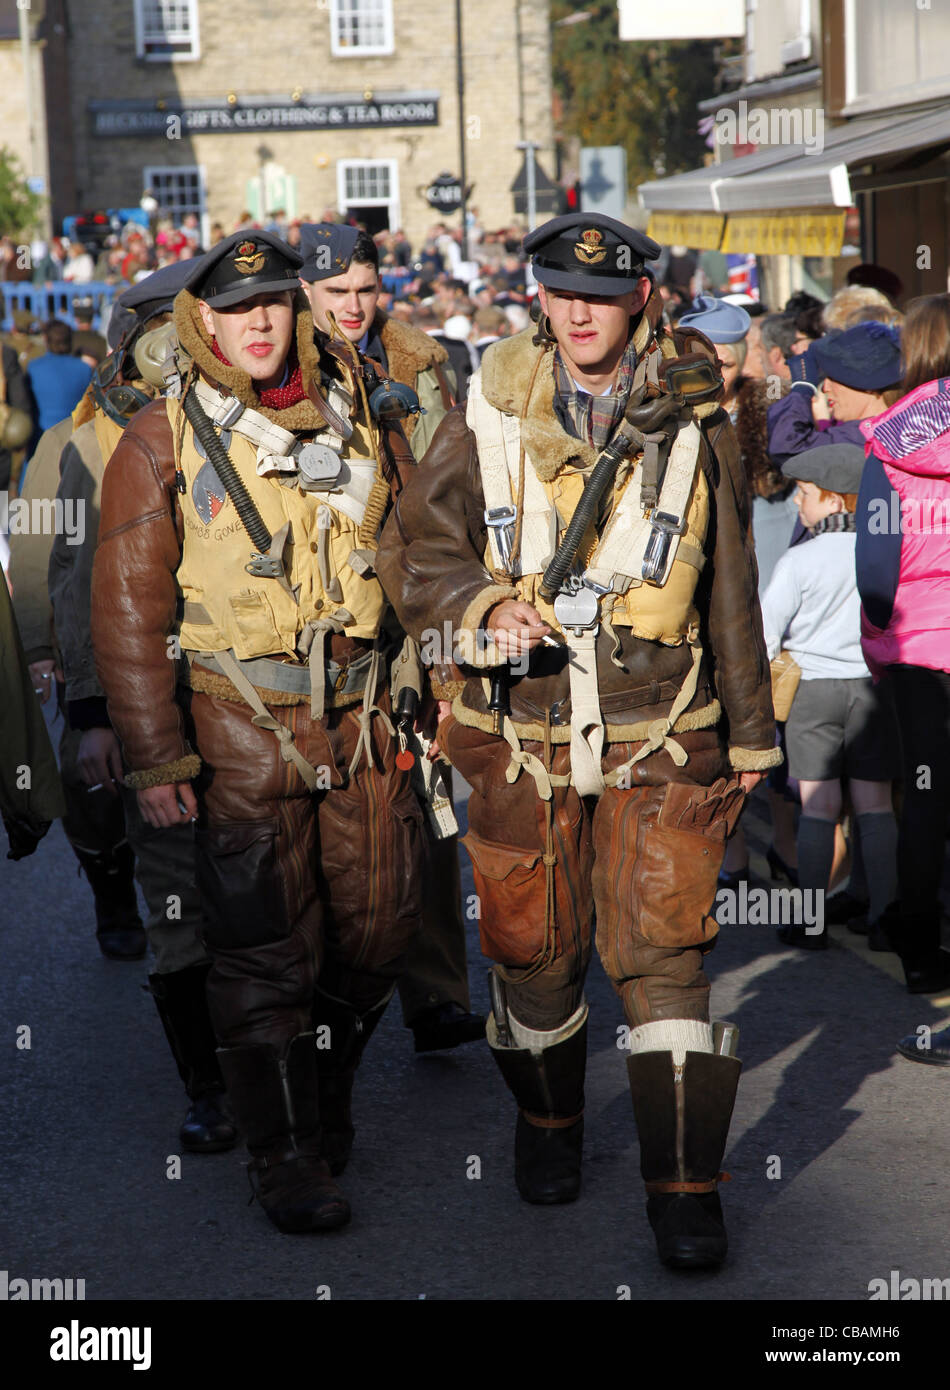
{"x": 582, "y": 532}
{"x": 589, "y": 253}
{"x": 340, "y": 276}
{"x": 240, "y": 518}
{"x": 241, "y": 266}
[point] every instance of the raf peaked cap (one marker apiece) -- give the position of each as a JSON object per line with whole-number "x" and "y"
{"x": 326, "y": 248}
{"x": 241, "y": 266}
{"x": 835, "y": 467}
{"x": 152, "y": 295}
{"x": 588, "y": 253}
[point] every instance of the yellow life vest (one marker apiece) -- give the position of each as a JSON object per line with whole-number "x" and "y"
{"x": 659, "y": 614}
{"x": 256, "y": 616}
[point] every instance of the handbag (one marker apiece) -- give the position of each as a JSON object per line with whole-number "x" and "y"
{"x": 786, "y": 673}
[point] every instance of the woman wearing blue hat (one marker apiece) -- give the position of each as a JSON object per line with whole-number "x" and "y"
{"x": 836, "y": 383}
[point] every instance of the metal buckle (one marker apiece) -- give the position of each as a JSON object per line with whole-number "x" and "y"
{"x": 656, "y": 552}
{"x": 229, "y": 413}
{"x": 501, "y": 520}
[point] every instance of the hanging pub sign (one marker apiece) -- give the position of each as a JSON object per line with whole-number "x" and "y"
{"x": 444, "y": 193}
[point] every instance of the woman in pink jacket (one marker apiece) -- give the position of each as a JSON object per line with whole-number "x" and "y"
{"x": 903, "y": 573}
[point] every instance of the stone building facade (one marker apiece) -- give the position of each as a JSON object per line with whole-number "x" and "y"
{"x": 218, "y": 106}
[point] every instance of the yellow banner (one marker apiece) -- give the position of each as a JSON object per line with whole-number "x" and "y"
{"x": 786, "y": 234}
{"x": 700, "y": 230}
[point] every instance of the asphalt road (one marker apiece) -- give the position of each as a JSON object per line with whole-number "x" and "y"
{"x": 91, "y": 1111}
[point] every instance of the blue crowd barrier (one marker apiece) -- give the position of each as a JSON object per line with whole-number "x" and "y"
{"x": 55, "y": 301}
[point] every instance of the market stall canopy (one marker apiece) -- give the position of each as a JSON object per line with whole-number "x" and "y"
{"x": 783, "y": 179}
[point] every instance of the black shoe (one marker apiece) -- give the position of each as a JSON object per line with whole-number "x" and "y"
{"x": 798, "y": 936}
{"x": 122, "y": 943}
{"x": 689, "y": 1229}
{"x": 208, "y": 1126}
{"x": 548, "y": 1161}
{"x": 731, "y": 878}
{"x": 842, "y": 907}
{"x": 878, "y": 939}
{"x": 932, "y": 978}
{"x": 444, "y": 1026}
{"x": 778, "y": 869}
{"x": 936, "y": 1055}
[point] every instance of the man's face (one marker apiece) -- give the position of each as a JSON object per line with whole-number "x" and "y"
{"x": 592, "y": 329}
{"x": 254, "y": 335}
{"x": 350, "y": 297}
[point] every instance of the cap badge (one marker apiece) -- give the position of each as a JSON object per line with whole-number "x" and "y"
{"x": 589, "y": 249}
{"x": 248, "y": 259}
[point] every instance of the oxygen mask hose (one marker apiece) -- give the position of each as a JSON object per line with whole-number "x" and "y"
{"x": 638, "y": 420}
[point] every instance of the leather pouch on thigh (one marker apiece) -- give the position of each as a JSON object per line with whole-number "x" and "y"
{"x": 679, "y": 854}
{"x": 510, "y": 885}
{"x": 240, "y": 885}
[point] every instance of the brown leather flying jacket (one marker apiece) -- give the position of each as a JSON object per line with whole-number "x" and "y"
{"x": 135, "y": 593}
{"x": 431, "y": 564}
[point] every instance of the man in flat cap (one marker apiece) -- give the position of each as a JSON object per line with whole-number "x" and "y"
{"x": 340, "y": 277}
{"x": 239, "y": 526}
{"x": 582, "y": 530}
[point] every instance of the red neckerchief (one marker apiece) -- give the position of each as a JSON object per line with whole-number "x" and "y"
{"x": 277, "y": 397}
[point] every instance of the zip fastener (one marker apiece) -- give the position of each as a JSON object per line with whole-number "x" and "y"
{"x": 289, "y": 1101}
{"x": 679, "y": 1093}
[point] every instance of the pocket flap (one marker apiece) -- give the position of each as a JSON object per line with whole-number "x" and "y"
{"x": 236, "y": 837}
{"x": 499, "y": 861}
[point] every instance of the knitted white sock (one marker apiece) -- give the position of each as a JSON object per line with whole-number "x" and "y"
{"x": 536, "y": 1041}
{"x": 676, "y": 1035}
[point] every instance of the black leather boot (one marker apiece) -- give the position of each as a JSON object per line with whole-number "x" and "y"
{"x": 276, "y": 1101}
{"x": 915, "y": 936}
{"x": 349, "y": 1032}
{"x": 119, "y": 929}
{"x": 549, "y": 1136}
{"x": 208, "y": 1126}
{"x": 683, "y": 1115}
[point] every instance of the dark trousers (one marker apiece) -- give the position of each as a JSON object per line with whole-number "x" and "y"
{"x": 923, "y": 706}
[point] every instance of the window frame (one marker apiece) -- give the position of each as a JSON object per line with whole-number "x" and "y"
{"x": 194, "y": 34}
{"x": 366, "y": 50}
{"x": 344, "y": 203}
{"x": 148, "y": 176}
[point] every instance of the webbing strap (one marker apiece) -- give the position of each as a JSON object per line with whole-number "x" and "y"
{"x": 499, "y": 459}
{"x": 265, "y": 720}
{"x": 311, "y": 643}
{"x": 331, "y": 582}
{"x": 659, "y": 729}
{"x": 621, "y": 551}
{"x": 365, "y": 716}
{"x": 587, "y": 721}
